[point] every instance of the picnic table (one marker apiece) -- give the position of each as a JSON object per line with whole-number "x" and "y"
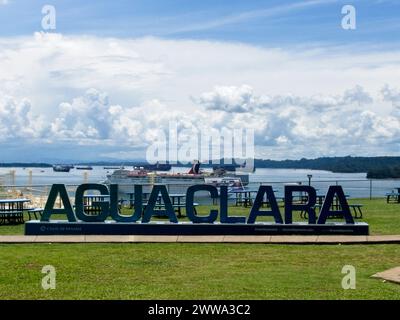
{"x": 243, "y": 196}
{"x": 393, "y": 197}
{"x": 355, "y": 208}
{"x": 90, "y": 203}
{"x": 320, "y": 199}
{"x": 177, "y": 200}
{"x": 12, "y": 210}
{"x": 145, "y": 196}
{"x": 90, "y": 200}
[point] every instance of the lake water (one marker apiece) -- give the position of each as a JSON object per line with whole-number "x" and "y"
{"x": 354, "y": 184}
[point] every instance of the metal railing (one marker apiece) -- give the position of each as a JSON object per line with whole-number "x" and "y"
{"x": 356, "y": 188}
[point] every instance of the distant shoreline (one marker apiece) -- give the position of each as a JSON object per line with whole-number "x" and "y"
{"x": 25, "y": 165}
{"x": 374, "y": 167}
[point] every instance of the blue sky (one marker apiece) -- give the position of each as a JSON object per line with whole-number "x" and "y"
{"x": 114, "y": 73}
{"x": 258, "y": 22}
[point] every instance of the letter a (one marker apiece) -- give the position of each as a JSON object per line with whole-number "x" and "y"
{"x": 58, "y": 189}
{"x": 349, "y": 20}
{"x": 349, "y": 280}
{"x": 49, "y": 20}
{"x": 49, "y": 280}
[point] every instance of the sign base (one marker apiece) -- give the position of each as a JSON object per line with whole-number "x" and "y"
{"x": 58, "y": 227}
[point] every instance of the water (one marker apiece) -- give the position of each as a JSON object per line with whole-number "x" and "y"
{"x": 354, "y": 184}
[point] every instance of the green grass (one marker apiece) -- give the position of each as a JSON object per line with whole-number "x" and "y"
{"x": 204, "y": 271}
{"x": 196, "y": 271}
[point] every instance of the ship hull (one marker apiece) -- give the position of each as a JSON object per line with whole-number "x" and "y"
{"x": 175, "y": 184}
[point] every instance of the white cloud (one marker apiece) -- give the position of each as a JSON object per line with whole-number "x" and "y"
{"x": 85, "y": 117}
{"x": 300, "y": 101}
{"x": 282, "y": 128}
{"x": 51, "y": 68}
{"x": 243, "y": 99}
{"x": 230, "y": 99}
{"x": 296, "y": 121}
{"x": 17, "y": 120}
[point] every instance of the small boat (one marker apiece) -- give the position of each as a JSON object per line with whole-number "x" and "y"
{"x": 84, "y": 168}
{"x": 61, "y": 168}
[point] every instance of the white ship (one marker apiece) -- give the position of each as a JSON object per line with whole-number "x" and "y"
{"x": 175, "y": 182}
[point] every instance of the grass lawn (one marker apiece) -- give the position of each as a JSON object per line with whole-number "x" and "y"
{"x": 196, "y": 271}
{"x": 204, "y": 271}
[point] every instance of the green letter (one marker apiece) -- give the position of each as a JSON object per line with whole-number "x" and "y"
{"x": 255, "y": 210}
{"x": 79, "y": 208}
{"x": 190, "y": 212}
{"x": 152, "y": 203}
{"x": 137, "y": 214}
{"x": 342, "y": 204}
{"x": 49, "y": 208}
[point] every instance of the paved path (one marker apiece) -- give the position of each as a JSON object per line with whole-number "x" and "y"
{"x": 204, "y": 239}
{"x": 392, "y": 275}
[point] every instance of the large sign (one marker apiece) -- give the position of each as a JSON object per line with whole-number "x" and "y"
{"x": 109, "y": 219}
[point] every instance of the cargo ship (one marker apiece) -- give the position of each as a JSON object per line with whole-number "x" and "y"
{"x": 176, "y": 182}
{"x": 84, "y": 168}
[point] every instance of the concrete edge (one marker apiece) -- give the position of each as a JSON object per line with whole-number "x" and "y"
{"x": 384, "y": 239}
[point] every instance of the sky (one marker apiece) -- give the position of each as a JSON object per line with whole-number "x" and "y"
{"x": 112, "y": 76}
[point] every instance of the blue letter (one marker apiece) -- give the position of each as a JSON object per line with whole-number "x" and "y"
{"x": 308, "y": 207}
{"x": 169, "y": 210}
{"x": 137, "y": 213}
{"x": 79, "y": 208}
{"x": 224, "y": 208}
{"x": 49, "y": 208}
{"x": 189, "y": 204}
{"x": 342, "y": 202}
{"x": 255, "y": 210}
